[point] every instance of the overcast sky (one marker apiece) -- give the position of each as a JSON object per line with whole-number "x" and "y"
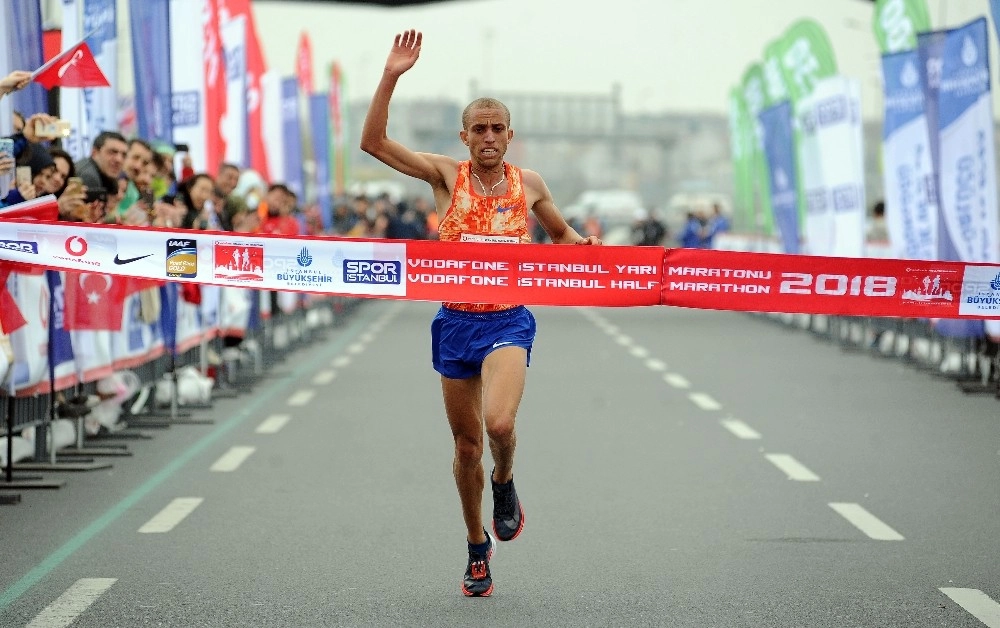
{"x": 677, "y": 55}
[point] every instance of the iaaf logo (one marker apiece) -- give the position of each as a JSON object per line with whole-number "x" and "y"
{"x": 379, "y": 272}
{"x": 19, "y": 246}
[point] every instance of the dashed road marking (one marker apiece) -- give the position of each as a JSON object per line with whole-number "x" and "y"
{"x": 232, "y": 459}
{"x": 273, "y": 423}
{"x": 741, "y": 429}
{"x": 71, "y": 604}
{"x": 623, "y": 340}
{"x": 866, "y": 522}
{"x": 356, "y": 348}
{"x": 367, "y": 337}
{"x": 324, "y": 377}
{"x": 976, "y": 602}
{"x": 704, "y": 401}
{"x": 639, "y": 352}
{"x": 340, "y": 361}
{"x": 676, "y": 380}
{"x": 656, "y": 365}
{"x": 301, "y": 397}
{"x": 169, "y": 517}
{"x": 794, "y": 469}
{"x": 611, "y": 329}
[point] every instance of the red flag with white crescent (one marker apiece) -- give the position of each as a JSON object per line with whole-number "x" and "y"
{"x": 94, "y": 301}
{"x": 74, "y": 68}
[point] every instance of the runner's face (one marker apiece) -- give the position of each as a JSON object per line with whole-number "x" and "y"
{"x": 487, "y": 137}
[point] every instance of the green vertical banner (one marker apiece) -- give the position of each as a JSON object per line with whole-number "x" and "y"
{"x": 340, "y": 173}
{"x": 897, "y": 22}
{"x": 740, "y": 138}
{"x": 775, "y": 78}
{"x": 755, "y": 99}
{"x": 806, "y": 57}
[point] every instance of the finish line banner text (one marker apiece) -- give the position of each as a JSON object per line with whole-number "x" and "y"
{"x": 530, "y": 274}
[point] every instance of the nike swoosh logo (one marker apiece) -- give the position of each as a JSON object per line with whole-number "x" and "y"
{"x": 500, "y": 344}
{"x": 501, "y": 210}
{"x": 120, "y": 261}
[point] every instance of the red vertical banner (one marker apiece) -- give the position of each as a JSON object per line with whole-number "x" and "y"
{"x": 215, "y": 83}
{"x": 304, "y": 64}
{"x": 338, "y": 155}
{"x": 255, "y": 67}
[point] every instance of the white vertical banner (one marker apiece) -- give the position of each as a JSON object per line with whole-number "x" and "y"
{"x": 911, "y": 211}
{"x": 818, "y": 227}
{"x": 187, "y": 78}
{"x": 234, "y": 123}
{"x": 833, "y": 166}
{"x": 72, "y": 100}
{"x": 271, "y": 114}
{"x": 100, "y": 28}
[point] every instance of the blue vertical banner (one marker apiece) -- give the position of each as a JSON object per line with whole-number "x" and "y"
{"x": 100, "y": 26}
{"x": 24, "y": 34}
{"x": 319, "y": 118}
{"x": 779, "y": 149}
{"x": 930, "y": 47}
{"x": 968, "y": 189}
{"x": 292, "y": 136}
{"x": 62, "y": 365}
{"x": 910, "y": 197}
{"x": 150, "y": 28}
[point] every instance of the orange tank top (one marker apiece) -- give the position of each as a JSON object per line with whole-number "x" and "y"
{"x": 475, "y": 218}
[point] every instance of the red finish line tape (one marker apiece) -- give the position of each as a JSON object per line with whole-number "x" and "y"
{"x": 530, "y": 274}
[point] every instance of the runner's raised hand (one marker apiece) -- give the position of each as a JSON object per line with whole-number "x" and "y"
{"x": 404, "y": 53}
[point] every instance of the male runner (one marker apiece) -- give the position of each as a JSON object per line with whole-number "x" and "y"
{"x": 480, "y": 350}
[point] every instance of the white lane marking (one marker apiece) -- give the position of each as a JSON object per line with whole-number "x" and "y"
{"x": 174, "y": 513}
{"x": 792, "y": 467}
{"x": 367, "y": 337}
{"x": 866, "y": 522}
{"x": 301, "y": 397}
{"x": 656, "y": 365}
{"x": 612, "y": 330}
{"x": 341, "y": 361}
{"x": 356, "y": 348}
{"x": 324, "y": 377}
{"x": 232, "y": 459}
{"x": 273, "y": 423}
{"x": 71, "y": 604}
{"x": 676, "y": 380}
{"x": 639, "y": 352}
{"x": 741, "y": 429}
{"x": 623, "y": 340}
{"x": 704, "y": 401}
{"x": 976, "y": 602}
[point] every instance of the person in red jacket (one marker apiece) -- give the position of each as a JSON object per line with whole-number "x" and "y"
{"x": 280, "y": 202}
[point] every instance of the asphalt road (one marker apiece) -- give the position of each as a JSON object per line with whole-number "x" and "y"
{"x": 677, "y": 468}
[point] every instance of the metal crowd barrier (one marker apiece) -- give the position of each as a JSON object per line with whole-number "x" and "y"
{"x": 235, "y": 364}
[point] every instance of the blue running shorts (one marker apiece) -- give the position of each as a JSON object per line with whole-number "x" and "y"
{"x": 460, "y": 341}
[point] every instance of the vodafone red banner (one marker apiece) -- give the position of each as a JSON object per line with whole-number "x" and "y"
{"x": 767, "y": 282}
{"x": 501, "y": 272}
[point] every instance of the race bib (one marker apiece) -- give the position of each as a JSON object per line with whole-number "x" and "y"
{"x": 487, "y": 237}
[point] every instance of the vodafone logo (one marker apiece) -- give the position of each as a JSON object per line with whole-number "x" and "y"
{"x": 76, "y": 246}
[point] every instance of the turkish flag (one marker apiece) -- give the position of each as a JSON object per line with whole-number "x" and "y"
{"x": 74, "y": 68}
{"x": 11, "y": 318}
{"x": 94, "y": 301}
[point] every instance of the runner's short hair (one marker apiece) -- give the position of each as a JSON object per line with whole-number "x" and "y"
{"x": 484, "y": 103}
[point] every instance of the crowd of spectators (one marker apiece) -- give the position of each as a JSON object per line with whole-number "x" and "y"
{"x": 132, "y": 181}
